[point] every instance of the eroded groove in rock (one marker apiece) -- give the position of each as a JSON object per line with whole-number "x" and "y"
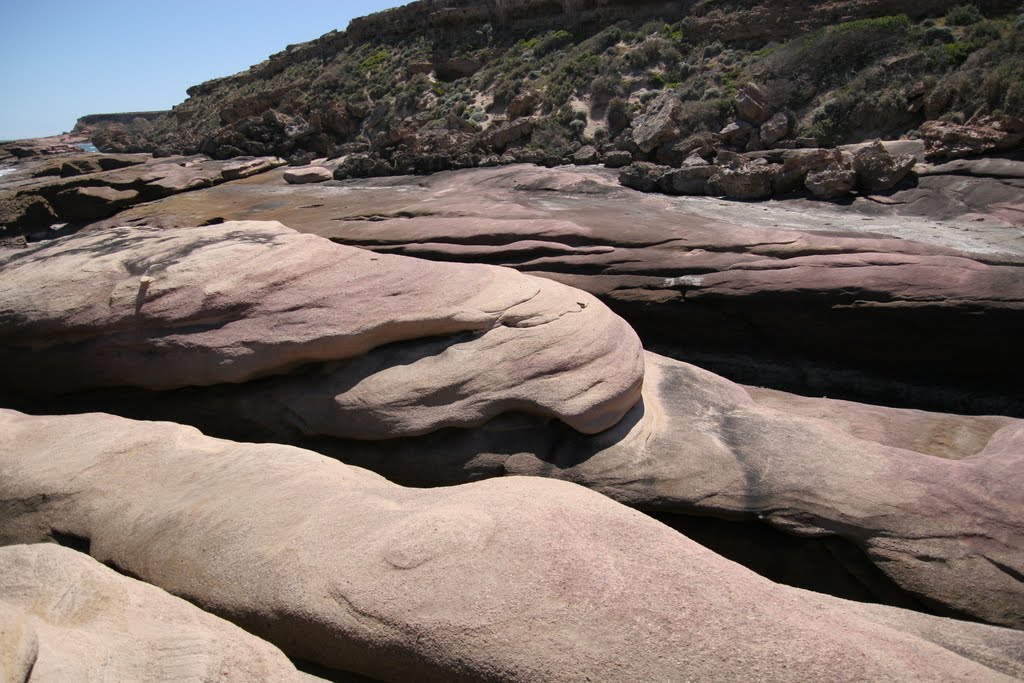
{"x": 236, "y": 302}
{"x": 338, "y": 566}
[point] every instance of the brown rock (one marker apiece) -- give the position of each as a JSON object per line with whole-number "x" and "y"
{"x": 642, "y": 175}
{"x": 837, "y": 179}
{"x": 307, "y": 174}
{"x": 657, "y": 125}
{"x": 751, "y": 104}
{"x": 774, "y": 129}
{"x": 953, "y": 141}
{"x": 877, "y": 170}
{"x": 743, "y": 180}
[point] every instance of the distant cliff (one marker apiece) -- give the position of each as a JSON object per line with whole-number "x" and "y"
{"x": 85, "y": 123}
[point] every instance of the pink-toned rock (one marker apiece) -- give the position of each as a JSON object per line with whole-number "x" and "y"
{"x": 240, "y": 301}
{"x": 342, "y": 568}
{"x": 307, "y": 174}
{"x": 66, "y": 617}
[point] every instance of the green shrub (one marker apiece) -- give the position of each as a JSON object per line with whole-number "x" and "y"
{"x": 375, "y": 59}
{"x": 957, "y": 52}
{"x": 963, "y": 15}
{"x": 655, "y": 80}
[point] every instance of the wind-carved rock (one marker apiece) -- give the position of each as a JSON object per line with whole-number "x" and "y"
{"x": 236, "y": 302}
{"x": 340, "y": 567}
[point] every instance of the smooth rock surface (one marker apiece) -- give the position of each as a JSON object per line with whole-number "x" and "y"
{"x": 509, "y": 580}
{"x": 65, "y": 617}
{"x": 240, "y": 301}
{"x": 842, "y": 301}
{"x": 308, "y": 174}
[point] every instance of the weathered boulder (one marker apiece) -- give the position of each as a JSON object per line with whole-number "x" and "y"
{"x": 617, "y": 159}
{"x": 339, "y": 567}
{"x": 736, "y": 134}
{"x": 642, "y": 175}
{"x": 657, "y": 124}
{"x": 497, "y": 138}
{"x": 944, "y": 140}
{"x": 587, "y": 154}
{"x": 362, "y": 165}
{"x": 738, "y": 178}
{"x": 877, "y": 170}
{"x": 752, "y": 103}
{"x": 795, "y": 167}
{"x": 307, "y": 174}
{"x": 774, "y": 129}
{"x": 837, "y": 179}
{"x": 523, "y": 104}
{"x": 690, "y": 179}
{"x": 64, "y": 617}
{"x": 239, "y": 301}
{"x": 237, "y": 170}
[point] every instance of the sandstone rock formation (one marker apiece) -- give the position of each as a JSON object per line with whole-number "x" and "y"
{"x": 319, "y": 326}
{"x": 340, "y": 567}
{"x": 88, "y": 191}
{"x": 240, "y": 301}
{"x": 65, "y": 617}
{"x": 307, "y": 174}
{"x": 849, "y": 305}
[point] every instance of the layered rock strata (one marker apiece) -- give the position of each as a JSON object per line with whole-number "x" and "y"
{"x": 338, "y": 566}
{"x": 242, "y": 301}
{"x": 254, "y": 331}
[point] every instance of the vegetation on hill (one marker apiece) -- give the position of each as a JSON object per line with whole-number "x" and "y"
{"x": 429, "y": 94}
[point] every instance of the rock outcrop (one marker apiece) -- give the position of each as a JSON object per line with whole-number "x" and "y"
{"x": 241, "y": 301}
{"x": 825, "y": 304}
{"x": 65, "y": 617}
{"x": 89, "y": 191}
{"x": 342, "y": 568}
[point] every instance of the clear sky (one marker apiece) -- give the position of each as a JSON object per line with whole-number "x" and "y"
{"x": 61, "y": 59}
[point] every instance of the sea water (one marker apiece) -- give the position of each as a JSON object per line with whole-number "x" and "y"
{"x": 87, "y": 147}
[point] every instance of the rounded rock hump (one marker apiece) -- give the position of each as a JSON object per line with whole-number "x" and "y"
{"x": 403, "y": 345}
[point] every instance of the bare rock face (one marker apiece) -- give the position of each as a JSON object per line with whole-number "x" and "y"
{"x": 752, "y": 104}
{"x": 877, "y": 170}
{"x": 945, "y": 140}
{"x": 342, "y": 568}
{"x": 657, "y": 124}
{"x": 837, "y": 179}
{"x": 774, "y": 129}
{"x": 739, "y": 178}
{"x": 240, "y": 301}
{"x": 643, "y": 175}
{"x": 66, "y": 617}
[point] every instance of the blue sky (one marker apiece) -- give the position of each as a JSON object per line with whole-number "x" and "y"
{"x": 61, "y": 59}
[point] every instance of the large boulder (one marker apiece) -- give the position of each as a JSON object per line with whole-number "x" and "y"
{"x": 657, "y": 124}
{"x": 835, "y": 180}
{"x": 643, "y": 176}
{"x": 877, "y": 170}
{"x": 752, "y": 104}
{"x": 362, "y": 165}
{"x": 738, "y": 178}
{"x": 774, "y": 129}
{"x": 240, "y": 301}
{"x": 341, "y": 568}
{"x": 66, "y": 617}
{"x": 500, "y": 136}
{"x": 690, "y": 179}
{"x": 944, "y": 140}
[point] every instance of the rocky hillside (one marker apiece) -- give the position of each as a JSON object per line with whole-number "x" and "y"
{"x": 443, "y": 84}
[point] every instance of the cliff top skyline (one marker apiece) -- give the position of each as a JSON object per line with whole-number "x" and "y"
{"x": 62, "y": 59}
